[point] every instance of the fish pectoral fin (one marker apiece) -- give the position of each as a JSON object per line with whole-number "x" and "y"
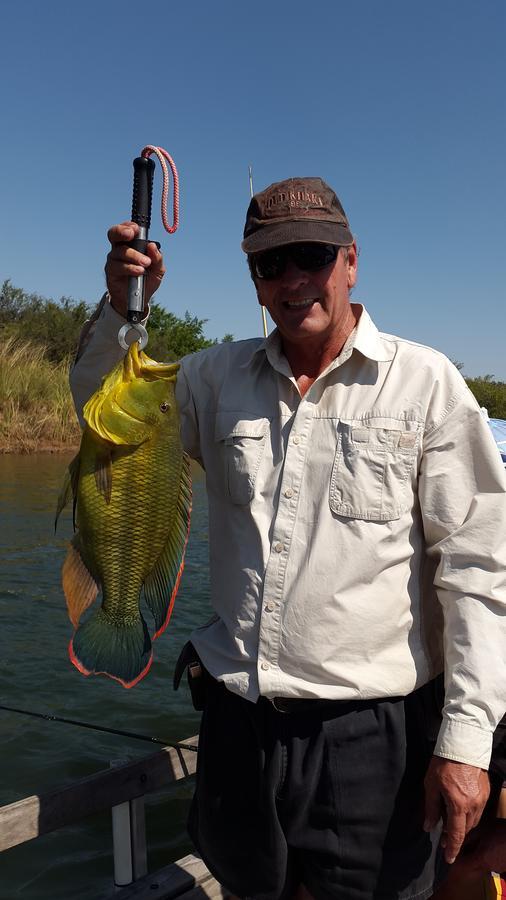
{"x": 103, "y": 472}
{"x": 79, "y": 586}
{"x": 162, "y": 583}
{"x": 69, "y": 488}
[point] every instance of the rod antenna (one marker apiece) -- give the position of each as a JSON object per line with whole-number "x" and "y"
{"x": 264, "y": 317}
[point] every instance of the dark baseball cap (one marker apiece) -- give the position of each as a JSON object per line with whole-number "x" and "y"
{"x": 298, "y": 209}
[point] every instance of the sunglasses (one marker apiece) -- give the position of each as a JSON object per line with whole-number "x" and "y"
{"x": 309, "y": 257}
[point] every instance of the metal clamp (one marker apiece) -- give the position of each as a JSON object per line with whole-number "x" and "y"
{"x": 142, "y": 335}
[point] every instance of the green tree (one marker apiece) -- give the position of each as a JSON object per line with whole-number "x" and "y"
{"x": 170, "y": 337}
{"x": 13, "y": 301}
{"x": 50, "y": 323}
{"x": 490, "y": 394}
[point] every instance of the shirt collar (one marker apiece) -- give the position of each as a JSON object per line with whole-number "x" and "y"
{"x": 368, "y": 340}
{"x": 365, "y": 338}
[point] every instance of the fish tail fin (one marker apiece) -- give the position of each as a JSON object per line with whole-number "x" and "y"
{"x": 161, "y": 585}
{"x": 121, "y": 650}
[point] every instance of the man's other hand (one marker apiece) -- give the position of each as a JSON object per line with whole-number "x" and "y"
{"x": 458, "y": 793}
{"x": 123, "y": 261}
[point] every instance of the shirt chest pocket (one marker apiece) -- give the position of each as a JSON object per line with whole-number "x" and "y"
{"x": 241, "y": 446}
{"x": 374, "y": 470}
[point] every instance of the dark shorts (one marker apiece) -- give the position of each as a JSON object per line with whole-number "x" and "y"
{"x": 327, "y": 794}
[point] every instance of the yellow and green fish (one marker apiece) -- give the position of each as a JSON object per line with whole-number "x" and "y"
{"x": 132, "y": 494}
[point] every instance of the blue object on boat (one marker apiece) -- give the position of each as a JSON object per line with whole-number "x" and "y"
{"x": 498, "y": 429}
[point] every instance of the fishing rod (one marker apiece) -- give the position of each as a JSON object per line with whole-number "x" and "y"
{"x": 144, "y": 169}
{"x": 264, "y": 317}
{"x": 117, "y": 731}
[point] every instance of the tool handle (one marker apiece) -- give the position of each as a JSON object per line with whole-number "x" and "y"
{"x": 141, "y": 214}
{"x": 143, "y": 191}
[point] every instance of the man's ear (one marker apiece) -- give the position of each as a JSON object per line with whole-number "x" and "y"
{"x": 352, "y": 265}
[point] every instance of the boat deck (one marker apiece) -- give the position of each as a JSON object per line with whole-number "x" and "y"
{"x": 122, "y": 789}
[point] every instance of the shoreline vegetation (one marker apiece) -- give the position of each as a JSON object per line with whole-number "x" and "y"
{"x": 38, "y": 340}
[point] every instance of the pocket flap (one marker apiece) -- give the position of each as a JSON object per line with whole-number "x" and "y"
{"x": 228, "y": 426}
{"x": 380, "y": 433}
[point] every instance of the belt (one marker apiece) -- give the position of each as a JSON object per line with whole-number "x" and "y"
{"x": 300, "y": 705}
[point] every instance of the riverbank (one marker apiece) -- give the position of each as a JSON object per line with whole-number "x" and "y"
{"x": 30, "y": 448}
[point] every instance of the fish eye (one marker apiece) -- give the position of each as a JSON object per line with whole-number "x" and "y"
{"x": 164, "y": 406}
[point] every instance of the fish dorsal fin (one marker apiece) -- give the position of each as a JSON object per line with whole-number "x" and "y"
{"x": 79, "y": 586}
{"x": 69, "y": 488}
{"x": 161, "y": 585}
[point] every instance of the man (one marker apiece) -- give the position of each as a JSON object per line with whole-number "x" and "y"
{"x": 357, "y": 522}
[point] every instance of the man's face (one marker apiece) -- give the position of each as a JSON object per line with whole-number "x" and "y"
{"x": 310, "y": 304}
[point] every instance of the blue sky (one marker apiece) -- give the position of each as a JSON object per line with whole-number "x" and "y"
{"x": 399, "y": 105}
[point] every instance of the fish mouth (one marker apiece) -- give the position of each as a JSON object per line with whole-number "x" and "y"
{"x": 139, "y": 365}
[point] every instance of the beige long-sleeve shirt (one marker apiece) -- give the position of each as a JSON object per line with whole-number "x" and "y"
{"x": 357, "y": 534}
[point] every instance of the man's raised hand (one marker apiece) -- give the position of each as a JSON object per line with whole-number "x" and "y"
{"x": 123, "y": 262}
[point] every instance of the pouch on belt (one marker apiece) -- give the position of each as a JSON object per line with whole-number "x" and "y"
{"x": 198, "y": 677}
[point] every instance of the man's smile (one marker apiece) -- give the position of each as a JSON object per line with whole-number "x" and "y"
{"x": 299, "y": 304}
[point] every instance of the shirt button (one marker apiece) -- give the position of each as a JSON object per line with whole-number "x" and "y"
{"x": 278, "y": 547}
{"x": 264, "y": 666}
{"x": 288, "y": 493}
{"x": 296, "y": 439}
{"x": 270, "y": 606}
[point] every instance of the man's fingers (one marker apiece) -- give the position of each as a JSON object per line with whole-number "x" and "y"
{"x": 123, "y": 253}
{"x": 157, "y": 268}
{"x": 433, "y": 806}
{"x": 125, "y": 231}
{"x": 456, "y": 828}
{"x": 154, "y": 252}
{"x": 125, "y": 270}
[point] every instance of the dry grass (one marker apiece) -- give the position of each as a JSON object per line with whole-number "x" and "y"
{"x": 36, "y": 409}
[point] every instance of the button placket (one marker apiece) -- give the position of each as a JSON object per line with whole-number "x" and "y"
{"x": 293, "y": 470}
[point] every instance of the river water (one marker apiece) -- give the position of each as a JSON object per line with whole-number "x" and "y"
{"x": 35, "y": 674}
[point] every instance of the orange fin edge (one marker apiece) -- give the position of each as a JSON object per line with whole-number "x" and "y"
{"x": 84, "y": 671}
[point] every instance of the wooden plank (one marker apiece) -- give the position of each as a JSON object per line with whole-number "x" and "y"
{"x": 188, "y": 876}
{"x": 29, "y": 818}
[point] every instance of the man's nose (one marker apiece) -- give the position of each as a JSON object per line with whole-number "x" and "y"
{"x": 293, "y": 276}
